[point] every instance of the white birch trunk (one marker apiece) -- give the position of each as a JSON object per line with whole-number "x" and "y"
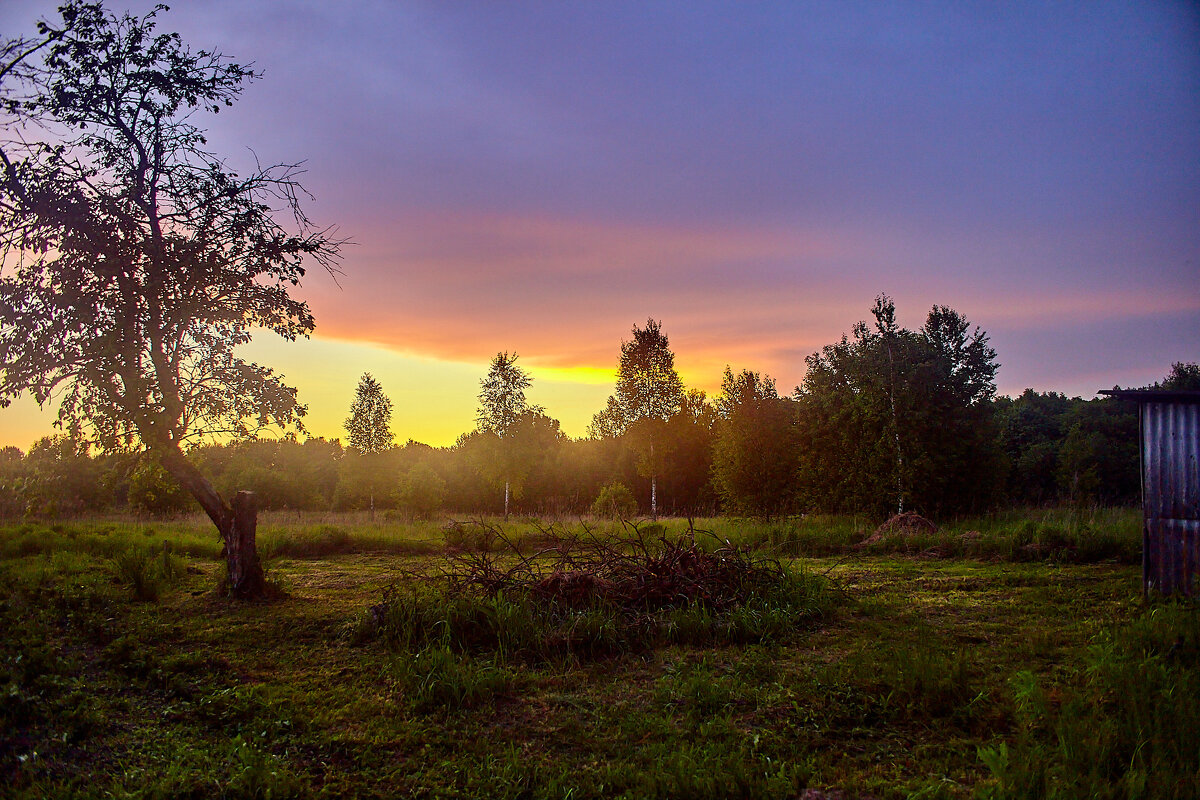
{"x": 654, "y": 497}
{"x": 895, "y": 428}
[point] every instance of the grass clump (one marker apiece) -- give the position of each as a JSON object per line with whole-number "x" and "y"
{"x": 438, "y": 677}
{"x": 145, "y": 572}
{"x": 694, "y": 772}
{"x": 471, "y": 535}
{"x": 414, "y": 619}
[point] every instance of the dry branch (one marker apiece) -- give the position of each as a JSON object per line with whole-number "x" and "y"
{"x": 634, "y": 573}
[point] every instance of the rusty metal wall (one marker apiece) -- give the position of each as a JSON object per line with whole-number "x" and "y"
{"x": 1171, "y": 496}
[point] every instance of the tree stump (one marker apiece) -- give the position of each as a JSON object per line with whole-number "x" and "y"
{"x": 246, "y": 579}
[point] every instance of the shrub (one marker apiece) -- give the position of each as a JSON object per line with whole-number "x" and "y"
{"x": 421, "y": 492}
{"x": 615, "y": 501}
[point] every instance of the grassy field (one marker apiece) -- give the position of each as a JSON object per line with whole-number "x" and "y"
{"x": 1010, "y": 656}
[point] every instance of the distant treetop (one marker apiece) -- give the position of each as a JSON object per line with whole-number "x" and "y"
{"x": 369, "y": 423}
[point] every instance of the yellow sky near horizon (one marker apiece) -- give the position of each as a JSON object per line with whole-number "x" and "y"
{"x": 434, "y": 401}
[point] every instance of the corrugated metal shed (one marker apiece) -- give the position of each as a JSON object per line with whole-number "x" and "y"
{"x": 1170, "y": 454}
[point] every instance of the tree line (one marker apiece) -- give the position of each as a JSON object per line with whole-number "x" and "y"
{"x": 886, "y": 419}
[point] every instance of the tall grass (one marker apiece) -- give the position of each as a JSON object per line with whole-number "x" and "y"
{"x": 522, "y": 627}
{"x": 146, "y": 571}
{"x": 415, "y": 619}
{"x": 105, "y": 539}
{"x": 1069, "y": 535}
{"x": 324, "y": 541}
{"x": 1058, "y": 535}
{"x": 459, "y": 651}
{"x": 437, "y": 676}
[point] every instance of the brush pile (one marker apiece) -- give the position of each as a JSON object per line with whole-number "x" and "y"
{"x": 643, "y": 571}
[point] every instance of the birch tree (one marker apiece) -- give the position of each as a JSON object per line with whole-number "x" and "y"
{"x": 648, "y": 392}
{"x": 369, "y": 425}
{"x": 502, "y": 405}
{"x": 895, "y": 419}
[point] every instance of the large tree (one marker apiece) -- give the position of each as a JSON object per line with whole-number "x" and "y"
{"x": 1184, "y": 376}
{"x": 648, "y": 393}
{"x": 135, "y": 261}
{"x": 1031, "y": 428}
{"x": 689, "y": 436}
{"x": 502, "y": 395}
{"x": 755, "y": 453}
{"x": 896, "y": 419}
{"x": 745, "y": 387}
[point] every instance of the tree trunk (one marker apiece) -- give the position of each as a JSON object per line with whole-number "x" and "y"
{"x": 372, "y": 506}
{"x": 654, "y": 497}
{"x": 246, "y": 579}
{"x": 895, "y": 429}
{"x": 506, "y": 501}
{"x": 237, "y": 525}
{"x": 653, "y": 484}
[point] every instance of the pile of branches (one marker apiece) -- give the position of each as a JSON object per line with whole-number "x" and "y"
{"x": 643, "y": 571}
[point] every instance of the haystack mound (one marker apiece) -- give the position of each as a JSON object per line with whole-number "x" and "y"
{"x": 902, "y": 526}
{"x": 907, "y": 524}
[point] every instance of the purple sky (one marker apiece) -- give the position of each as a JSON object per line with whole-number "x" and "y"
{"x": 543, "y": 176}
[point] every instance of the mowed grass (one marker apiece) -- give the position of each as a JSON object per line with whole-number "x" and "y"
{"x": 1018, "y": 672}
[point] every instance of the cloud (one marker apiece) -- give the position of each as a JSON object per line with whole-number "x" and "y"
{"x": 564, "y": 292}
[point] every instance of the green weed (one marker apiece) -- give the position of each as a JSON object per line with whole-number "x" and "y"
{"x": 1126, "y": 725}
{"x": 439, "y": 677}
{"x": 696, "y": 772}
{"x": 257, "y": 774}
{"x": 145, "y": 573}
{"x": 517, "y": 627}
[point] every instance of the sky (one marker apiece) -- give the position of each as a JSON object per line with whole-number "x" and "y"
{"x": 540, "y": 177}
